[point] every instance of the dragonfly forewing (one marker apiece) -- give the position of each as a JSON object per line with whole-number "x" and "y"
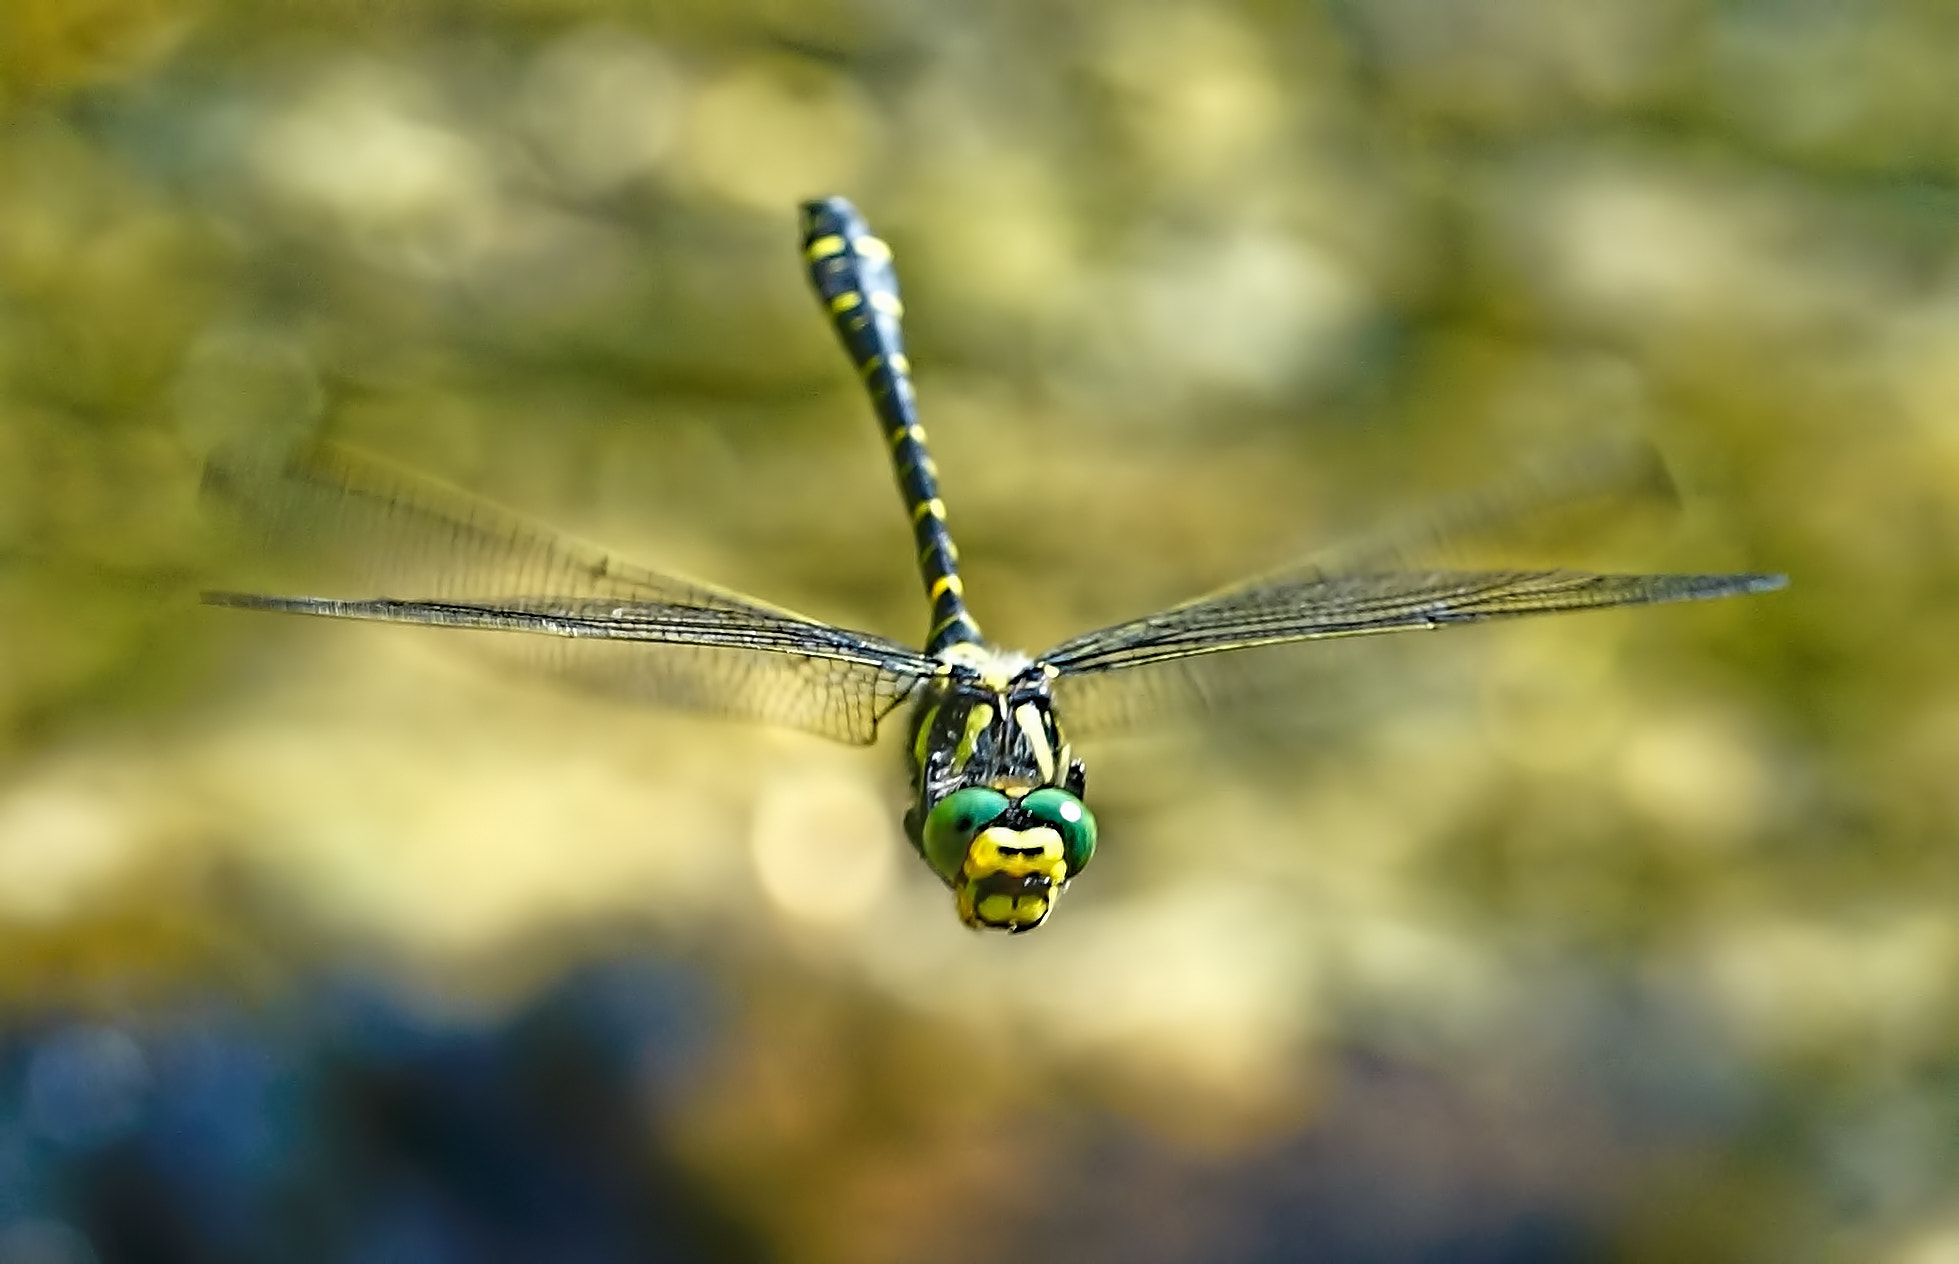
{"x": 1276, "y": 612}
{"x": 437, "y": 556}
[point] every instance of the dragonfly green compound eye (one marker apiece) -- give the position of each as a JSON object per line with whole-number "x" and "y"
{"x": 953, "y": 822}
{"x": 1071, "y": 819}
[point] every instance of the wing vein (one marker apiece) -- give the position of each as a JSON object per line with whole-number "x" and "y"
{"x": 1271, "y": 613}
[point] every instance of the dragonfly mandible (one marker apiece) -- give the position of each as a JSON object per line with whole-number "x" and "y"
{"x": 998, "y": 807}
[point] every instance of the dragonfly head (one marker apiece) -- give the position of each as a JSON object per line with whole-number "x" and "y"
{"x": 1007, "y": 858}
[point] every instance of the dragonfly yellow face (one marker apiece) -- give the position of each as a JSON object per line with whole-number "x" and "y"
{"x": 997, "y": 811}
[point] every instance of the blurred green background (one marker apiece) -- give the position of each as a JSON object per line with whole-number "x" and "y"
{"x": 1622, "y": 936}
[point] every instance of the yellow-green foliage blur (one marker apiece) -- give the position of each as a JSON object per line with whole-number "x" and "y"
{"x": 1634, "y": 929}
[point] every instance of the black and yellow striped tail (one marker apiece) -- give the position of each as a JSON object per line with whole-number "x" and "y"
{"x": 852, "y": 272}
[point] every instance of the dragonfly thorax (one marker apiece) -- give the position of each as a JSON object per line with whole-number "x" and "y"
{"x": 988, "y": 719}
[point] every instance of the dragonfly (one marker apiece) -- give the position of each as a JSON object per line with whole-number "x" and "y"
{"x": 997, "y": 791}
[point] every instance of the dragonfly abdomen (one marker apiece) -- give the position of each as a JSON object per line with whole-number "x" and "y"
{"x": 851, "y": 270}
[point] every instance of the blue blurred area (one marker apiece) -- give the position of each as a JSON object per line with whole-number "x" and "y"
{"x": 347, "y": 1123}
{"x": 355, "y": 1121}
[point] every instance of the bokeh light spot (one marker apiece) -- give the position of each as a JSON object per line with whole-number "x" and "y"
{"x": 823, "y": 848}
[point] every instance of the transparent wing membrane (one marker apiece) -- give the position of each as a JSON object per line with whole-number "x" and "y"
{"x": 1567, "y": 500}
{"x": 437, "y": 556}
{"x": 1278, "y": 611}
{"x": 1405, "y": 575}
